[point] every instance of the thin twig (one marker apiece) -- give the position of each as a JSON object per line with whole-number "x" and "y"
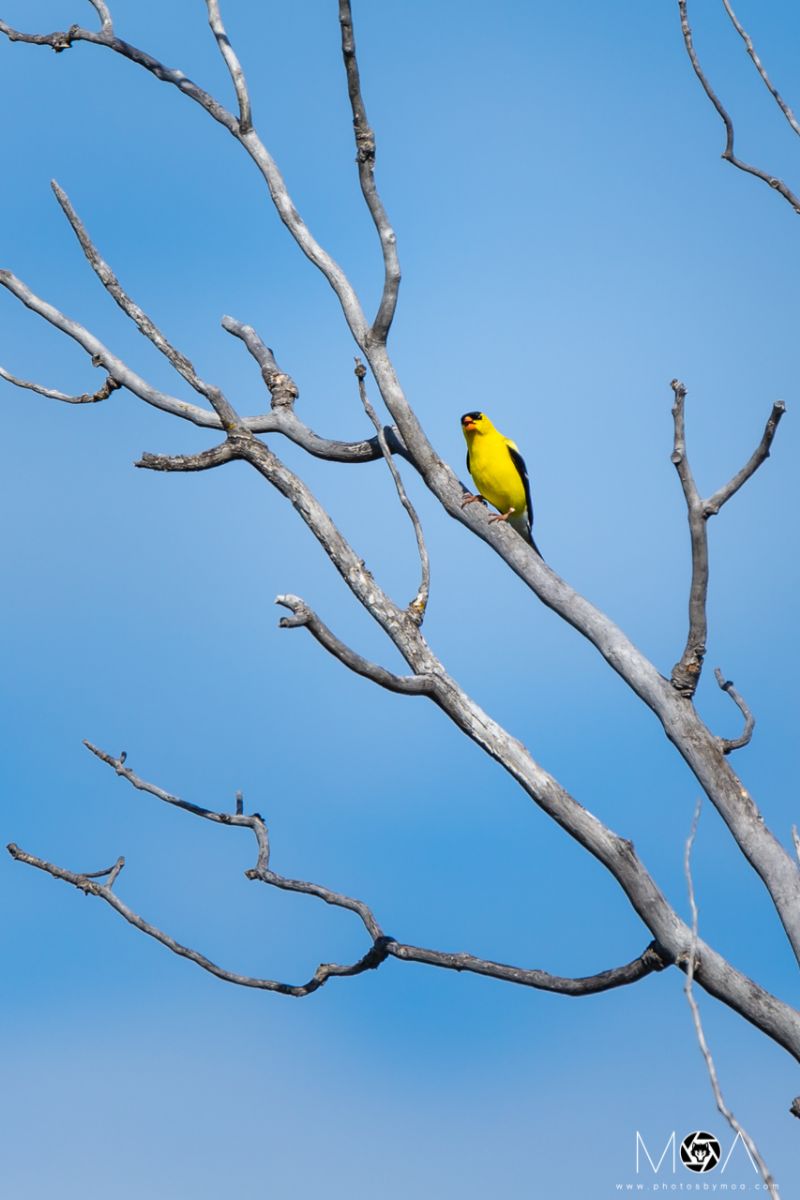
{"x": 102, "y": 393}
{"x": 365, "y": 157}
{"x": 113, "y": 870}
{"x": 129, "y": 306}
{"x": 252, "y": 821}
{"x": 714, "y": 503}
{"x": 728, "y": 153}
{"x": 751, "y": 50}
{"x": 304, "y": 617}
{"x": 750, "y": 1145}
{"x": 420, "y": 602}
{"x": 233, "y": 65}
{"x": 729, "y": 744}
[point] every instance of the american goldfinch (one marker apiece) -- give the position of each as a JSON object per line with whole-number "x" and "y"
{"x": 499, "y": 472}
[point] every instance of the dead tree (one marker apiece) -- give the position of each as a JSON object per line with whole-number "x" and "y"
{"x": 252, "y": 439}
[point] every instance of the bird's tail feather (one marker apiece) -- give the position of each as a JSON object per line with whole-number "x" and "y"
{"x": 522, "y": 526}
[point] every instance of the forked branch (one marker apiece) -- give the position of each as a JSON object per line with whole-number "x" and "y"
{"x": 686, "y": 672}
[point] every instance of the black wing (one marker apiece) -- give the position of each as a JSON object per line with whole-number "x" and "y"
{"x": 519, "y": 463}
{"x": 470, "y": 472}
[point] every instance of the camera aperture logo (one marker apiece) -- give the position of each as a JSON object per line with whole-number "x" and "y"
{"x": 700, "y": 1151}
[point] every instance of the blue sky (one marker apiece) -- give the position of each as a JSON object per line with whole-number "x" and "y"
{"x": 570, "y": 242}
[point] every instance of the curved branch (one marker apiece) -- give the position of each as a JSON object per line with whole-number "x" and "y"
{"x": 102, "y": 393}
{"x": 85, "y": 883}
{"x": 103, "y": 13}
{"x": 304, "y": 617}
{"x": 749, "y": 720}
{"x": 653, "y": 958}
{"x": 728, "y": 153}
{"x": 751, "y": 50}
{"x": 282, "y": 388}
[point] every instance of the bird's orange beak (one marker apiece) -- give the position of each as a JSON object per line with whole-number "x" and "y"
{"x": 468, "y": 425}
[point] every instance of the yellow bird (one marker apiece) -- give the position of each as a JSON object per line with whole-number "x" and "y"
{"x": 499, "y": 473}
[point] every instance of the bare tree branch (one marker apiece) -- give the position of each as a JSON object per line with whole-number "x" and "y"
{"x": 284, "y": 392}
{"x": 374, "y": 956}
{"x": 750, "y": 1145}
{"x": 253, "y": 821}
{"x": 365, "y": 157}
{"x": 751, "y": 50}
{"x": 653, "y": 958}
{"x": 729, "y": 744}
{"x": 282, "y": 388}
{"x": 382, "y": 947}
{"x": 233, "y": 65}
{"x": 104, "y": 15}
{"x": 686, "y": 672}
{"x": 281, "y": 420}
{"x": 111, "y": 872}
{"x": 728, "y": 153}
{"x": 304, "y": 617}
{"x": 715, "y": 502}
{"x": 420, "y": 602}
{"x": 100, "y": 354}
{"x": 131, "y": 309}
{"x": 102, "y": 393}
{"x": 204, "y": 461}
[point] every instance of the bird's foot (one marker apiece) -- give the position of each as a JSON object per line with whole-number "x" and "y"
{"x": 470, "y": 499}
{"x": 502, "y": 516}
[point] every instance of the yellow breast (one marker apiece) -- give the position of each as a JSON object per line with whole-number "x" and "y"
{"x": 494, "y": 473}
